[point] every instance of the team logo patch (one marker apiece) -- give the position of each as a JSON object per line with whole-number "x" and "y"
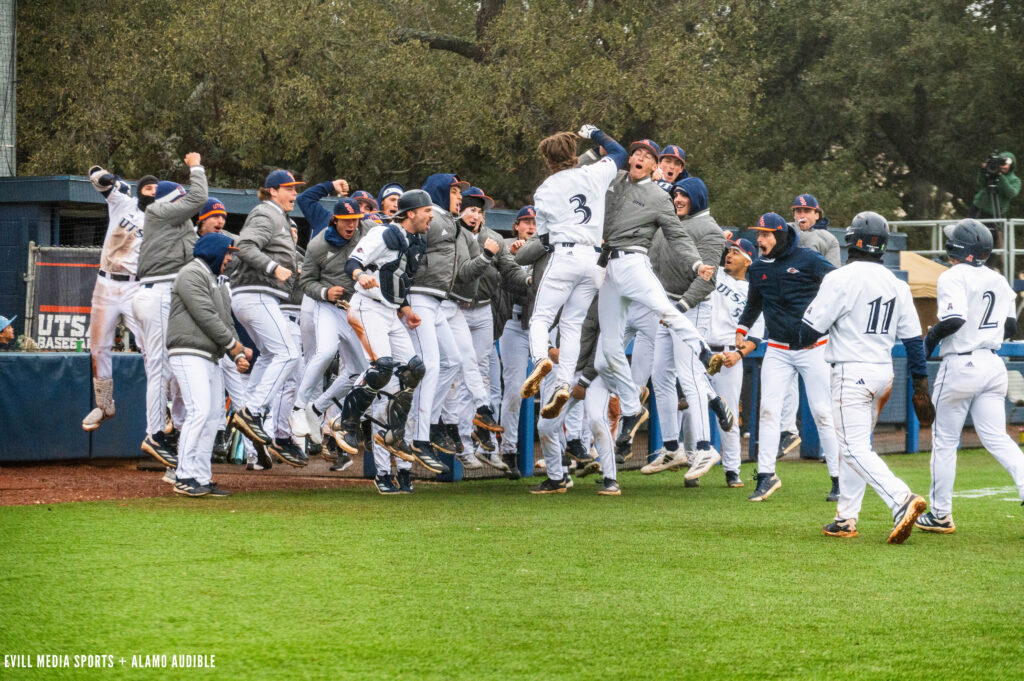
{"x": 860, "y": 382}
{"x": 970, "y": 364}
{"x": 793, "y": 270}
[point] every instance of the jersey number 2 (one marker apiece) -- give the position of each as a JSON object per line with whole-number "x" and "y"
{"x": 580, "y": 201}
{"x": 876, "y": 314}
{"x": 986, "y": 319}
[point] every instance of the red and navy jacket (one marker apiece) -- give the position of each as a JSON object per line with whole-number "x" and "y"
{"x": 782, "y": 288}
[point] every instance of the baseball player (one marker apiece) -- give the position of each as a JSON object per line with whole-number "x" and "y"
{"x": 382, "y": 267}
{"x": 166, "y": 248}
{"x": 782, "y": 281}
{"x": 199, "y": 331}
{"x": 260, "y": 281}
{"x": 864, "y": 308}
{"x": 671, "y": 164}
{"x": 116, "y": 281}
{"x": 570, "y": 206}
{"x": 676, "y": 269}
{"x": 329, "y": 288}
{"x": 637, "y": 209}
{"x": 387, "y": 199}
{"x": 976, "y": 312}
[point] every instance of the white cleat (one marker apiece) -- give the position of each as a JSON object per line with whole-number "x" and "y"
{"x": 297, "y": 421}
{"x": 704, "y": 460}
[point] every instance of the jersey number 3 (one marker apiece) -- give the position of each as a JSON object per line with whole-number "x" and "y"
{"x": 580, "y": 201}
{"x": 876, "y": 314}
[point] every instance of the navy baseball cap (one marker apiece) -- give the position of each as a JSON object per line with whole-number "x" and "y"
{"x": 526, "y": 212}
{"x": 474, "y": 196}
{"x": 805, "y": 201}
{"x": 361, "y": 195}
{"x": 673, "y": 151}
{"x": 771, "y": 222}
{"x": 210, "y": 208}
{"x": 649, "y": 145}
{"x": 280, "y": 178}
{"x": 743, "y": 246}
{"x": 5, "y": 322}
{"x": 347, "y": 208}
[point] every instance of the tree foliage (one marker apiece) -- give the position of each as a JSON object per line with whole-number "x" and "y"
{"x": 882, "y": 104}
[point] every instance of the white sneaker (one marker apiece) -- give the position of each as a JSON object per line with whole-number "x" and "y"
{"x": 492, "y": 459}
{"x": 678, "y": 459}
{"x": 658, "y": 465}
{"x": 314, "y": 425}
{"x": 297, "y": 421}
{"x": 703, "y": 461}
{"x": 469, "y": 461}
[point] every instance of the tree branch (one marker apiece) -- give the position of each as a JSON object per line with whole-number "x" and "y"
{"x": 441, "y": 41}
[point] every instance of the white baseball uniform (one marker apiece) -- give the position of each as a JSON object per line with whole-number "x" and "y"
{"x": 570, "y": 211}
{"x": 971, "y": 378}
{"x": 863, "y": 308}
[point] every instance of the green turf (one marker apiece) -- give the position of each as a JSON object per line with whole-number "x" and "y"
{"x": 484, "y": 581}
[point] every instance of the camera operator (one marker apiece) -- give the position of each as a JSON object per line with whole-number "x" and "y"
{"x": 997, "y": 185}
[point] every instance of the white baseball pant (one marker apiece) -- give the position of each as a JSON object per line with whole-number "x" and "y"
{"x": 790, "y": 405}
{"x": 152, "y": 307}
{"x": 552, "y": 431}
{"x": 859, "y": 391}
{"x": 514, "y": 346}
{"x": 473, "y": 351}
{"x": 494, "y": 377}
{"x": 382, "y": 334}
{"x": 596, "y": 407}
{"x": 434, "y": 343}
{"x": 677, "y": 360}
{"x": 260, "y": 314}
{"x": 778, "y": 366}
{"x": 728, "y": 383}
{"x": 281, "y": 403}
{"x": 974, "y": 383}
{"x": 642, "y": 328}
{"x": 202, "y": 387}
{"x": 110, "y": 300}
{"x": 571, "y": 279}
{"x": 628, "y": 278}
{"x": 327, "y": 327}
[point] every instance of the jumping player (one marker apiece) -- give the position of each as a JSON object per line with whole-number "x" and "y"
{"x": 976, "y": 312}
{"x": 864, "y": 308}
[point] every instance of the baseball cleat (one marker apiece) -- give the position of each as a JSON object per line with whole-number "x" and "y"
{"x": 190, "y": 488}
{"x": 629, "y": 425}
{"x": 221, "y": 446}
{"x": 610, "y": 488}
{"x": 550, "y": 486}
{"x": 95, "y": 417}
{"x": 841, "y": 528}
{"x": 263, "y": 459}
{"x": 492, "y": 459}
{"x": 905, "y": 517}
{"x": 645, "y": 394}
{"x": 554, "y": 407}
{"x": 469, "y": 461}
{"x": 484, "y": 418}
{"x": 577, "y": 452}
{"x": 732, "y": 479}
{"x": 787, "y": 443}
{"x": 253, "y": 467}
{"x": 623, "y": 452}
{"x": 286, "y": 452}
{"x": 404, "y": 480}
{"x": 349, "y": 438}
{"x": 158, "y": 448}
{"x": 532, "y": 383}
{"x": 169, "y": 476}
{"x": 386, "y": 485}
{"x": 424, "y": 453}
{"x": 833, "y": 495}
{"x": 341, "y": 463}
{"x": 330, "y": 450}
{"x": 691, "y": 483}
{"x": 510, "y": 459}
{"x": 314, "y": 424}
{"x": 940, "y": 524}
{"x": 453, "y": 432}
{"x": 441, "y": 440}
{"x": 665, "y": 461}
{"x": 705, "y": 459}
{"x": 767, "y": 483}
{"x": 568, "y": 481}
{"x": 726, "y": 420}
{"x": 397, "y": 448}
{"x": 251, "y": 426}
{"x": 216, "y": 492}
{"x": 589, "y": 469}
{"x": 482, "y": 439}
{"x": 299, "y": 423}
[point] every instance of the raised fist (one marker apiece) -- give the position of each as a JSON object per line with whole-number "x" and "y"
{"x": 192, "y": 159}
{"x": 586, "y": 130}
{"x": 491, "y": 246}
{"x": 340, "y": 187}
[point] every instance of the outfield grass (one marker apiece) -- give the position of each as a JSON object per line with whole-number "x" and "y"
{"x": 484, "y": 581}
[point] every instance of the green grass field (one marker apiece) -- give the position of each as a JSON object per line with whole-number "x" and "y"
{"x": 484, "y": 581}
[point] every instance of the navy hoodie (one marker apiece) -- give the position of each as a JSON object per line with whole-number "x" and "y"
{"x": 317, "y": 216}
{"x": 697, "y": 191}
{"x": 782, "y": 288}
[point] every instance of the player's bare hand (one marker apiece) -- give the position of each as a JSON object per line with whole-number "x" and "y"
{"x": 340, "y": 187}
{"x": 579, "y": 392}
{"x": 335, "y": 293}
{"x": 705, "y": 272}
{"x": 282, "y": 274}
{"x": 657, "y": 175}
{"x": 727, "y": 233}
{"x": 247, "y": 352}
{"x": 366, "y": 282}
{"x": 192, "y": 159}
{"x": 740, "y": 339}
{"x": 412, "y": 320}
{"x": 515, "y": 245}
{"x": 241, "y": 363}
{"x": 553, "y": 355}
{"x": 730, "y": 359}
{"x": 491, "y": 246}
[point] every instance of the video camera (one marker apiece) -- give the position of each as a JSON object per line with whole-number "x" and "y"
{"x": 994, "y": 164}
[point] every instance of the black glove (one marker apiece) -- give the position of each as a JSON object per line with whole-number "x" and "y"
{"x": 923, "y": 406}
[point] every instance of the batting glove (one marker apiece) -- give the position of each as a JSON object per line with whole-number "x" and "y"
{"x": 587, "y": 131}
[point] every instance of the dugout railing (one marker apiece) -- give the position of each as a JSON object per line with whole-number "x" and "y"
{"x": 1005, "y": 257}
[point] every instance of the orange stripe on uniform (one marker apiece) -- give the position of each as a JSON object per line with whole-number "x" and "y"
{"x": 783, "y": 346}
{"x": 65, "y": 308}
{"x": 66, "y": 264}
{"x": 357, "y": 326}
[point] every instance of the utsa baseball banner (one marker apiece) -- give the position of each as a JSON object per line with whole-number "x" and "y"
{"x": 62, "y": 296}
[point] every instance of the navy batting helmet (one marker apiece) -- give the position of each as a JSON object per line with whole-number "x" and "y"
{"x": 968, "y": 241}
{"x": 869, "y": 232}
